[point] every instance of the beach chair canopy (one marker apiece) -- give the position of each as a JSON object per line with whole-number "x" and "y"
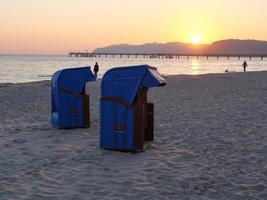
{"x": 124, "y": 82}
{"x": 73, "y": 78}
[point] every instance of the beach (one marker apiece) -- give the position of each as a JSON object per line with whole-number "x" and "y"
{"x": 210, "y": 143}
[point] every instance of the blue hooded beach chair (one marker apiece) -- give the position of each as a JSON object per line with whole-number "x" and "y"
{"x": 126, "y": 119}
{"x": 70, "y": 104}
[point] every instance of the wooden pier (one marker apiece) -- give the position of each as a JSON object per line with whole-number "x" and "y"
{"x": 164, "y": 56}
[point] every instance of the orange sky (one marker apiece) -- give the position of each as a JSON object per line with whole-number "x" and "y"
{"x": 58, "y": 26}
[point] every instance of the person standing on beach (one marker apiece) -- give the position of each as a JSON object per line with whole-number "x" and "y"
{"x": 245, "y": 64}
{"x": 96, "y": 69}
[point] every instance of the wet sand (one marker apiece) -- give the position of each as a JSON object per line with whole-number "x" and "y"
{"x": 210, "y": 143}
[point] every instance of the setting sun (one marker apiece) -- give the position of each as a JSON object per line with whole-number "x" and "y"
{"x": 195, "y": 39}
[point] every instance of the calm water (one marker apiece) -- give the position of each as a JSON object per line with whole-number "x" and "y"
{"x": 16, "y": 69}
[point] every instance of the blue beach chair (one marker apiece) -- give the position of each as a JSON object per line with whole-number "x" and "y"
{"x": 70, "y": 104}
{"x": 126, "y": 119}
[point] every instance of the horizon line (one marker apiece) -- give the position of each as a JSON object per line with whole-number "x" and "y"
{"x": 132, "y": 44}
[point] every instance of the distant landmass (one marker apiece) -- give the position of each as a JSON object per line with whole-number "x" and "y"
{"x": 229, "y": 47}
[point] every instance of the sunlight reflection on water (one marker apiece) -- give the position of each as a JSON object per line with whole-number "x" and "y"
{"x": 195, "y": 67}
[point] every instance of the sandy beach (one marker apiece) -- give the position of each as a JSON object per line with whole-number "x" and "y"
{"x": 210, "y": 143}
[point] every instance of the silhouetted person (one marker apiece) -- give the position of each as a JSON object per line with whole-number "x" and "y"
{"x": 245, "y": 64}
{"x": 96, "y": 69}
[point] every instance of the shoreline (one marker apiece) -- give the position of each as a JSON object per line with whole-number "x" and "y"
{"x": 165, "y": 76}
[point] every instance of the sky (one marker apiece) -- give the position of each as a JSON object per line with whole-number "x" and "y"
{"x": 59, "y": 26}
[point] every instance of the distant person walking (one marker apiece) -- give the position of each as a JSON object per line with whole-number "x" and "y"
{"x": 245, "y": 64}
{"x": 96, "y": 69}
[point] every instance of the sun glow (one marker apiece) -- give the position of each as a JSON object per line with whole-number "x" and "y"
{"x": 195, "y": 39}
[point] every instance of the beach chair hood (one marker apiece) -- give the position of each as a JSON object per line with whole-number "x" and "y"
{"x": 124, "y": 82}
{"x": 73, "y": 78}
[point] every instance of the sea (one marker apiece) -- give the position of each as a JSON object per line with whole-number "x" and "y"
{"x": 29, "y": 68}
